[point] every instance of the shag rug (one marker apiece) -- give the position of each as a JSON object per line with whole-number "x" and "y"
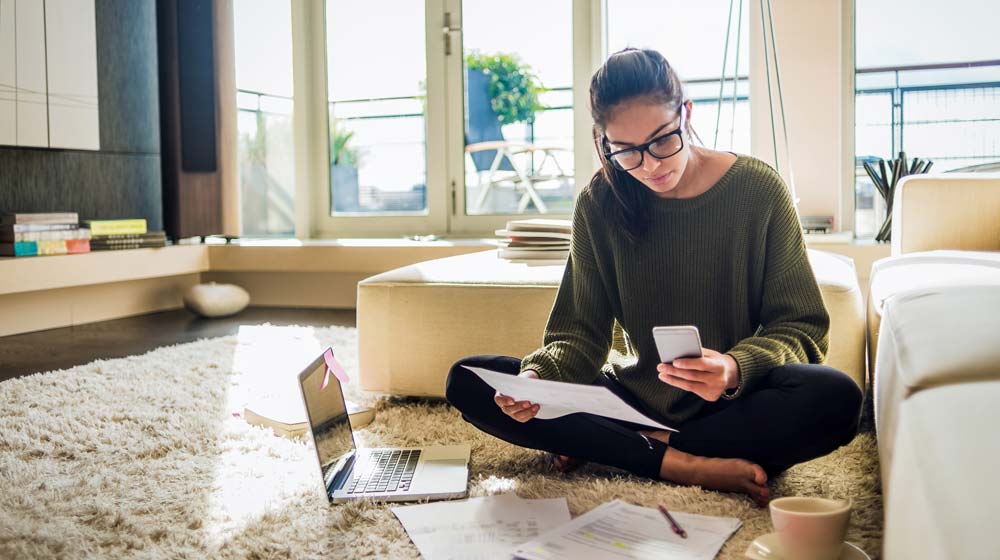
{"x": 147, "y": 457}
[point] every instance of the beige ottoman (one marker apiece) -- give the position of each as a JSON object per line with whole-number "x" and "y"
{"x": 416, "y": 321}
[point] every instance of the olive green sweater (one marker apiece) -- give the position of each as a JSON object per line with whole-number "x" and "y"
{"x": 730, "y": 261}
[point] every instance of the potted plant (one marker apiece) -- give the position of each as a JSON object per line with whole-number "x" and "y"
{"x": 513, "y": 88}
{"x": 344, "y": 160}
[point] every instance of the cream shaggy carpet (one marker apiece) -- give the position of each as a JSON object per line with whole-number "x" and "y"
{"x": 143, "y": 457}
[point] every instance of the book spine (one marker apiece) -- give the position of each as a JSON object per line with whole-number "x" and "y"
{"x": 116, "y": 227}
{"x": 20, "y": 228}
{"x": 52, "y": 247}
{"x": 19, "y": 249}
{"x": 45, "y": 218}
{"x": 9, "y": 237}
{"x": 76, "y": 246}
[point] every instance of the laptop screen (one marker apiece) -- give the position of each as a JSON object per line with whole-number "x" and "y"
{"x": 331, "y": 427}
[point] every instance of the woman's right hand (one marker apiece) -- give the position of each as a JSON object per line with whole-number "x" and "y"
{"x": 522, "y": 411}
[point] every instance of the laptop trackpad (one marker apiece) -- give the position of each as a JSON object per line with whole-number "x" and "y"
{"x": 442, "y": 475}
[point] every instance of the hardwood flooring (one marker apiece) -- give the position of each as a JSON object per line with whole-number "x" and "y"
{"x": 47, "y": 350}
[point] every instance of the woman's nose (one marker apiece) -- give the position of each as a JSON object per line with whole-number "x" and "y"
{"x": 649, "y": 163}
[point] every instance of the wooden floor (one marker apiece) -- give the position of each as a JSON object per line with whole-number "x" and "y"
{"x": 24, "y": 354}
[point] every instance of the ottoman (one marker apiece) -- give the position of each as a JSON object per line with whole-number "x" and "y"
{"x": 416, "y": 321}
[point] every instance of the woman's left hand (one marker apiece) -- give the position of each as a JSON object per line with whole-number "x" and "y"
{"x": 706, "y": 377}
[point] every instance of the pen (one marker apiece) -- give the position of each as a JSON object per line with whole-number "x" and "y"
{"x": 673, "y": 523}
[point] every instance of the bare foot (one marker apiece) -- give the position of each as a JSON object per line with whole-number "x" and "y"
{"x": 728, "y": 475}
{"x": 566, "y": 464}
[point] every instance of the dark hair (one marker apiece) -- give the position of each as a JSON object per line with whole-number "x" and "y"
{"x": 629, "y": 74}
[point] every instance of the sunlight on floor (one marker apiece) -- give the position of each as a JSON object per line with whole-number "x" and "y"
{"x": 498, "y": 484}
{"x": 256, "y": 471}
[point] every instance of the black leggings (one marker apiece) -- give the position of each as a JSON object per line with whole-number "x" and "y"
{"x": 797, "y": 413}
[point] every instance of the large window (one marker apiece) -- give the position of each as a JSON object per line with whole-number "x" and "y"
{"x": 936, "y": 98}
{"x": 452, "y": 116}
{"x": 265, "y": 149}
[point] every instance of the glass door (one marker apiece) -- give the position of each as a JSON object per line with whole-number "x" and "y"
{"x": 510, "y": 91}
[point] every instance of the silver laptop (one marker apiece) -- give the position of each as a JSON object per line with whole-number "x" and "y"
{"x": 389, "y": 474}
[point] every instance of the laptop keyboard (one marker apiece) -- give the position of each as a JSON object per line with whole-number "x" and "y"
{"x": 390, "y": 470}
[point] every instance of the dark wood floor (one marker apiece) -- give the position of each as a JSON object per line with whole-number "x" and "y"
{"x": 71, "y": 346}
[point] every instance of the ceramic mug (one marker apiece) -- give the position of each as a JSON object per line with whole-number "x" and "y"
{"x": 811, "y": 528}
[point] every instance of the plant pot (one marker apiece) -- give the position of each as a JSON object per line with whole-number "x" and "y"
{"x": 344, "y": 188}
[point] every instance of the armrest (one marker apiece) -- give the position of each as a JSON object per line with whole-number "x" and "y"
{"x": 947, "y": 211}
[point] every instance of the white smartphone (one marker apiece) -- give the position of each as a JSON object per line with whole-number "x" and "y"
{"x": 677, "y": 342}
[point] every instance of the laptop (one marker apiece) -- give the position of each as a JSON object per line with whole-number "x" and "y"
{"x": 386, "y": 474}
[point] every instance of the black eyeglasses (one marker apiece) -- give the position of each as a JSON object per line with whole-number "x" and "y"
{"x": 661, "y": 147}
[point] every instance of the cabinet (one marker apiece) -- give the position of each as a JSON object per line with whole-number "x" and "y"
{"x": 48, "y": 74}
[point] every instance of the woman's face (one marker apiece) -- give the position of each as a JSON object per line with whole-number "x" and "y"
{"x": 638, "y": 121}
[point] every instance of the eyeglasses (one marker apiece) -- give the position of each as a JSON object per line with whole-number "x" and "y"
{"x": 661, "y": 147}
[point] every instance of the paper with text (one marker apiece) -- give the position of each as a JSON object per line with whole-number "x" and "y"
{"x": 618, "y": 530}
{"x": 479, "y": 528}
{"x": 559, "y": 399}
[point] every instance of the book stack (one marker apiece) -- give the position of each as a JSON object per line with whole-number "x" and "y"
{"x": 113, "y": 235}
{"x": 51, "y": 233}
{"x": 535, "y": 241}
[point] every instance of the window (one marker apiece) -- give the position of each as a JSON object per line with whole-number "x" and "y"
{"x": 265, "y": 149}
{"x": 696, "y": 49}
{"x": 936, "y": 99}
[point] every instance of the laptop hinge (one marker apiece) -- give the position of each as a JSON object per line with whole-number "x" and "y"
{"x": 340, "y": 474}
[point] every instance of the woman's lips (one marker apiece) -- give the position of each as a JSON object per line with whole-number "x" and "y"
{"x": 662, "y": 179}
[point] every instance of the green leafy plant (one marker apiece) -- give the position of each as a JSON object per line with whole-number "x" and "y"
{"x": 514, "y": 88}
{"x": 340, "y": 152}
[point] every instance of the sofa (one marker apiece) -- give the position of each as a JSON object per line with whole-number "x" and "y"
{"x": 416, "y": 321}
{"x": 933, "y": 322}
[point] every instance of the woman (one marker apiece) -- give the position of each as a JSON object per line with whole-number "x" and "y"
{"x": 669, "y": 233}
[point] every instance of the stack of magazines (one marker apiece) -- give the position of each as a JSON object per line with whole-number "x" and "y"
{"x": 535, "y": 241}
{"x": 27, "y": 234}
{"x": 115, "y": 235}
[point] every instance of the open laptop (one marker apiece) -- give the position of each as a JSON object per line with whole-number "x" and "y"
{"x": 388, "y": 474}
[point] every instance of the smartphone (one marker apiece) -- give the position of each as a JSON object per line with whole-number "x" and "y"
{"x": 677, "y": 342}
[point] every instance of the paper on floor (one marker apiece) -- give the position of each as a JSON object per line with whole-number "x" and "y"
{"x": 621, "y": 530}
{"x": 479, "y": 528}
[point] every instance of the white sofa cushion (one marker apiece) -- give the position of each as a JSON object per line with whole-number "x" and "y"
{"x": 941, "y": 498}
{"x": 929, "y": 269}
{"x": 930, "y": 338}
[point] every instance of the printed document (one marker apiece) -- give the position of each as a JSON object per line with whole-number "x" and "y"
{"x": 479, "y": 528}
{"x": 559, "y": 399}
{"x": 618, "y": 530}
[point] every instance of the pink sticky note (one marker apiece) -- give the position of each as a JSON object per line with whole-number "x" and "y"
{"x": 333, "y": 365}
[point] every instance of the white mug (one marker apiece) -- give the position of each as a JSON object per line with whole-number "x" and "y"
{"x": 811, "y": 528}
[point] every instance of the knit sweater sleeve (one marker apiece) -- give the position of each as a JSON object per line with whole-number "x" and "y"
{"x": 794, "y": 323}
{"x": 578, "y": 333}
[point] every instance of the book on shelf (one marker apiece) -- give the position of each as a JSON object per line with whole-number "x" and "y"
{"x": 45, "y": 247}
{"x": 112, "y": 227}
{"x": 40, "y": 218}
{"x": 8, "y": 236}
{"x": 540, "y": 225}
{"x": 22, "y": 228}
{"x": 129, "y": 241}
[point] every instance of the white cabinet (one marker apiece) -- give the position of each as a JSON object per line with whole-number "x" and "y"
{"x": 48, "y": 74}
{"x": 8, "y": 76}
{"x": 29, "y": 47}
{"x": 71, "y": 62}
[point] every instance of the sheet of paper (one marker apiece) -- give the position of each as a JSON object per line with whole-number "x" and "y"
{"x": 621, "y": 530}
{"x": 559, "y": 399}
{"x": 479, "y": 528}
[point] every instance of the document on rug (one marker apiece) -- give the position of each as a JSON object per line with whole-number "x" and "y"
{"x": 479, "y": 528}
{"x": 559, "y": 399}
{"x": 621, "y": 530}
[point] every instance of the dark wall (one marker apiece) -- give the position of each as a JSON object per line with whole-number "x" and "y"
{"x": 123, "y": 179}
